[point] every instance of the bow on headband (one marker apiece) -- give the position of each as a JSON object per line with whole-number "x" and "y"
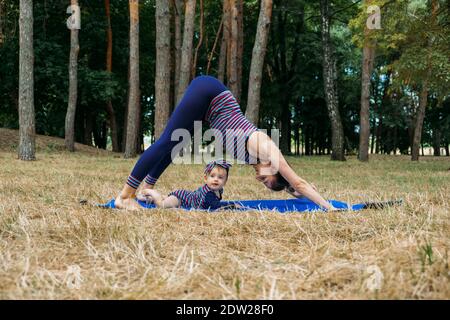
{"x": 221, "y": 163}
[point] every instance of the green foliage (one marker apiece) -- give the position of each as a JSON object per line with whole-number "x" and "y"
{"x": 426, "y": 255}
{"x": 409, "y": 48}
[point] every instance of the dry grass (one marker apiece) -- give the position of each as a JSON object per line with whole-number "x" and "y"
{"x": 9, "y": 140}
{"x": 53, "y": 247}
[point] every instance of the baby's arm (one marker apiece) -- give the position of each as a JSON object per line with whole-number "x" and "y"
{"x": 170, "y": 202}
{"x": 160, "y": 201}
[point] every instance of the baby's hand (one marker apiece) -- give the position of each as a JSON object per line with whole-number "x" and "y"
{"x": 147, "y": 192}
{"x": 142, "y": 197}
{"x": 154, "y": 195}
{"x": 145, "y": 195}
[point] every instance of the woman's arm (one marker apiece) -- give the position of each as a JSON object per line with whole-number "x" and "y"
{"x": 297, "y": 194}
{"x": 301, "y": 186}
{"x": 294, "y": 193}
{"x": 261, "y": 146}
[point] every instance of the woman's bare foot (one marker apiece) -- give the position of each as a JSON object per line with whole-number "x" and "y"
{"x": 127, "y": 204}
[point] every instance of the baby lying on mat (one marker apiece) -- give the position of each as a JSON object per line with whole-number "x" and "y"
{"x": 207, "y": 196}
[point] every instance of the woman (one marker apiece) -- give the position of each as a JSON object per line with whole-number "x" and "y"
{"x": 206, "y": 98}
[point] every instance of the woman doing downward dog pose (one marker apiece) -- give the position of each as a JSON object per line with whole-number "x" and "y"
{"x": 207, "y": 99}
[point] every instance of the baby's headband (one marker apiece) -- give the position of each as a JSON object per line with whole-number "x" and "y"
{"x": 221, "y": 163}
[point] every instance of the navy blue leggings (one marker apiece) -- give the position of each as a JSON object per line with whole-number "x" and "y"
{"x": 192, "y": 107}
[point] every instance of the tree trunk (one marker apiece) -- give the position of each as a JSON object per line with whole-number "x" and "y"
{"x": 139, "y": 134}
{"x": 285, "y": 125}
{"x": 2, "y": 10}
{"x": 162, "y": 78}
{"x": 232, "y": 61}
{"x": 437, "y": 142}
{"x": 73, "y": 88}
{"x": 213, "y": 50}
{"x": 372, "y": 140}
{"x": 109, "y": 106}
{"x": 378, "y": 131}
{"x": 186, "y": 56}
{"x": 308, "y": 138}
{"x": 395, "y": 140}
{"x": 420, "y": 115}
{"x": 256, "y": 68}
{"x": 221, "y": 69}
{"x": 133, "y": 108}
{"x": 240, "y": 43}
{"x": 27, "y": 131}
{"x": 100, "y": 134}
{"x": 178, "y": 6}
{"x": 200, "y": 41}
{"x": 88, "y": 128}
{"x": 330, "y": 87}
{"x": 285, "y": 75}
{"x": 423, "y": 98}
{"x": 285, "y": 143}
{"x": 125, "y": 119}
{"x": 367, "y": 66}
{"x": 222, "y": 60}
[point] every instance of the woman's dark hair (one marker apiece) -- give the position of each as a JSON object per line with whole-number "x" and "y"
{"x": 280, "y": 183}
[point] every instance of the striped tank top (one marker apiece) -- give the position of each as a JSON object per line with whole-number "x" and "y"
{"x": 202, "y": 198}
{"x": 231, "y": 127}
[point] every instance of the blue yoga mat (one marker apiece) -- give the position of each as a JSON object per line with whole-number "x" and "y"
{"x": 289, "y": 205}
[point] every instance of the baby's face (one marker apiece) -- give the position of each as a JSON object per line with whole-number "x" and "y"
{"x": 216, "y": 179}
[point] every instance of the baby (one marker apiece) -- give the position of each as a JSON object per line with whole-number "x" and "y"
{"x": 207, "y": 196}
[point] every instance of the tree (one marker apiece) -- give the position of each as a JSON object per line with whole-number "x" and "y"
{"x": 162, "y": 78}
{"x": 200, "y": 40}
{"x": 259, "y": 51}
{"x": 213, "y": 50}
{"x": 73, "y": 79}
{"x": 133, "y": 96}
{"x": 423, "y": 96}
{"x": 240, "y": 43}
{"x": 367, "y": 66}
{"x": 178, "y": 7}
{"x": 330, "y": 86}
{"x": 284, "y": 62}
{"x": 109, "y": 106}
{"x": 26, "y": 83}
{"x": 224, "y": 43}
{"x": 233, "y": 50}
{"x": 2, "y": 6}
{"x": 415, "y": 39}
{"x": 186, "y": 55}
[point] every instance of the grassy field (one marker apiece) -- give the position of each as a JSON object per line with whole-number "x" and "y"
{"x": 51, "y": 246}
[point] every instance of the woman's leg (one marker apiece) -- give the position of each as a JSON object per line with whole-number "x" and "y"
{"x": 192, "y": 107}
{"x": 157, "y": 157}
